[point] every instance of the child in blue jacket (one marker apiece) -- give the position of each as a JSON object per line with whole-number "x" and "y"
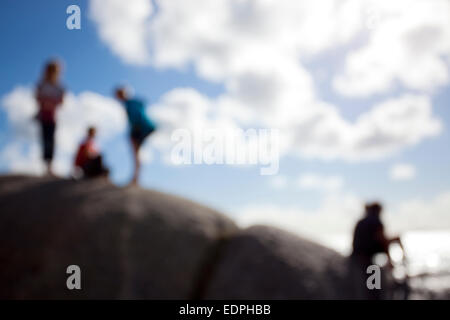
{"x": 141, "y": 126}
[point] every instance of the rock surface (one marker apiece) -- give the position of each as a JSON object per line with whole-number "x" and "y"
{"x": 267, "y": 263}
{"x": 132, "y": 243}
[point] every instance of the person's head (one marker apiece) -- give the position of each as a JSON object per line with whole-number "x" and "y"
{"x": 52, "y": 71}
{"x": 373, "y": 209}
{"x": 91, "y": 132}
{"x": 121, "y": 93}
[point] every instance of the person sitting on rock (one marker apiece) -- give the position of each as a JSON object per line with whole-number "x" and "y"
{"x": 88, "y": 159}
{"x": 141, "y": 126}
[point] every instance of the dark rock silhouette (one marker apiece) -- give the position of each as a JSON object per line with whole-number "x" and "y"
{"x": 267, "y": 263}
{"x": 132, "y": 243}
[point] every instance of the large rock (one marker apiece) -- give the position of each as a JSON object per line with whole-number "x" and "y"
{"x": 128, "y": 242}
{"x": 135, "y": 243}
{"x": 267, "y": 263}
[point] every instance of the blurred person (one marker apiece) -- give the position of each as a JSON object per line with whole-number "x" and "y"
{"x": 369, "y": 239}
{"x": 88, "y": 159}
{"x": 49, "y": 95}
{"x": 141, "y": 126}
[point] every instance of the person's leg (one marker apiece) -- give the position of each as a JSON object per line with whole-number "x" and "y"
{"x": 137, "y": 165}
{"x": 44, "y": 141}
{"x": 48, "y": 141}
{"x": 137, "y": 138}
{"x": 102, "y": 169}
{"x": 86, "y": 170}
{"x": 96, "y": 168}
{"x": 90, "y": 168}
{"x": 51, "y": 146}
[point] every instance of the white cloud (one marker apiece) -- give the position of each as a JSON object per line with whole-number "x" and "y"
{"x": 394, "y": 124}
{"x": 409, "y": 44}
{"x": 23, "y": 151}
{"x": 22, "y": 158}
{"x": 408, "y": 40}
{"x": 402, "y": 172}
{"x": 314, "y": 131}
{"x": 123, "y": 25}
{"x": 311, "y": 181}
{"x": 256, "y": 50}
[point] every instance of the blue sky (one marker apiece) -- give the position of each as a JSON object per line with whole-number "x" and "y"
{"x": 33, "y": 31}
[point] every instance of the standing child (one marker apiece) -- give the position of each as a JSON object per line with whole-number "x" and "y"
{"x": 140, "y": 125}
{"x": 49, "y": 96}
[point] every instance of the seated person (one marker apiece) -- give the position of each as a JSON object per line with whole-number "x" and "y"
{"x": 88, "y": 159}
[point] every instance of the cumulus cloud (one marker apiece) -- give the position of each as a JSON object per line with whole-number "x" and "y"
{"x": 407, "y": 40}
{"x": 194, "y": 113}
{"x": 316, "y": 131}
{"x": 409, "y": 44}
{"x": 257, "y": 50}
{"x": 230, "y": 37}
{"x": 22, "y": 158}
{"x": 23, "y": 152}
{"x": 123, "y": 26}
{"x": 393, "y": 124}
{"x": 402, "y": 172}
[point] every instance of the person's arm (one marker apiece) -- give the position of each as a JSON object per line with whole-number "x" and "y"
{"x": 60, "y": 98}
{"x": 395, "y": 239}
{"x": 37, "y": 94}
{"x": 385, "y": 242}
{"x": 399, "y": 241}
{"x": 91, "y": 150}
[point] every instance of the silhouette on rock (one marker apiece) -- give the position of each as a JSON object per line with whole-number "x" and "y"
{"x": 132, "y": 243}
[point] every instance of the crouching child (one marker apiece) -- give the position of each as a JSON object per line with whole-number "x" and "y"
{"x": 88, "y": 160}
